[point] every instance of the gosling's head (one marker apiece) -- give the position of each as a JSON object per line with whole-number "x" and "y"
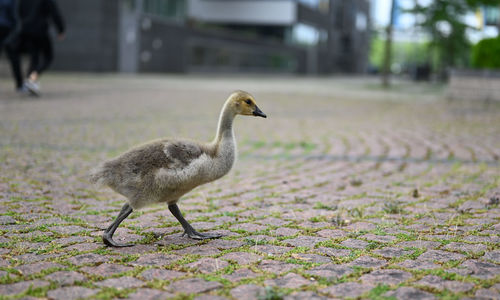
{"x": 243, "y": 103}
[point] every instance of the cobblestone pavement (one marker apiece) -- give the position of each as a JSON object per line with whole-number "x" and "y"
{"x": 345, "y": 191}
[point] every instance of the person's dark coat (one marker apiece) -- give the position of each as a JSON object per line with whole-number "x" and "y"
{"x": 7, "y": 13}
{"x": 35, "y": 15}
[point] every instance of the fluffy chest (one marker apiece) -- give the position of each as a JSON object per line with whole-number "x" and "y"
{"x": 220, "y": 164}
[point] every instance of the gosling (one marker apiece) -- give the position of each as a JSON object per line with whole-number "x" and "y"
{"x": 162, "y": 171}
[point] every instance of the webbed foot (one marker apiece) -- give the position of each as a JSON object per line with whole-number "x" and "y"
{"x": 108, "y": 240}
{"x": 201, "y": 236}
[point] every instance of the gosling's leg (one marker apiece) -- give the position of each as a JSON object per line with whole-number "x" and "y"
{"x": 188, "y": 229}
{"x": 107, "y": 237}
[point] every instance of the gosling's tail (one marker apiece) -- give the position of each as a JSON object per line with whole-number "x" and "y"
{"x": 98, "y": 175}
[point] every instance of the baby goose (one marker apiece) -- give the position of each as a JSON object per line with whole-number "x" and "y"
{"x": 164, "y": 170}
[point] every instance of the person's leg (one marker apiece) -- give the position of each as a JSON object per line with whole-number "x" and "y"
{"x": 47, "y": 52}
{"x": 34, "y": 53}
{"x": 34, "y": 49}
{"x": 4, "y": 32}
{"x": 14, "y": 55}
{"x": 44, "y": 57}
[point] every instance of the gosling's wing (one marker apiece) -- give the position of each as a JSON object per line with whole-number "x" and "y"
{"x": 161, "y": 154}
{"x": 181, "y": 153}
{"x": 166, "y": 162}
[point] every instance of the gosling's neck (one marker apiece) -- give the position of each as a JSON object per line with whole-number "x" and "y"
{"x": 225, "y": 126}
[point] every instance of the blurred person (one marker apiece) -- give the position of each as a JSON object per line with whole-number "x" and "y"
{"x": 31, "y": 36}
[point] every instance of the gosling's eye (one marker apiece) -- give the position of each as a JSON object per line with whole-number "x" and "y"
{"x": 248, "y": 101}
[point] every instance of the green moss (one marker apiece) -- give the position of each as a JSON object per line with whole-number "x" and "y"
{"x": 377, "y": 293}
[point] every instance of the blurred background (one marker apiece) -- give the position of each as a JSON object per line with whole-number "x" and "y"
{"x": 413, "y": 39}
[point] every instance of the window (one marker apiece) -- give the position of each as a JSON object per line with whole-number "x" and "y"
{"x": 321, "y": 5}
{"x": 171, "y": 9}
{"x": 204, "y": 57}
{"x": 304, "y": 34}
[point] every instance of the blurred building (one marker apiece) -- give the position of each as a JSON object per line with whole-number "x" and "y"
{"x": 290, "y": 36}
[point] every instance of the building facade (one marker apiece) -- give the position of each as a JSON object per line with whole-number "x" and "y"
{"x": 286, "y": 36}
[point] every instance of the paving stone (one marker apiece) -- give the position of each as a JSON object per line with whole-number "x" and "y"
{"x": 441, "y": 256}
{"x": 314, "y": 258}
{"x": 440, "y": 284}
{"x": 387, "y": 276}
{"x": 19, "y": 287}
{"x": 368, "y": 262}
{"x": 6, "y": 220}
{"x": 193, "y": 286}
{"x": 410, "y": 293}
{"x": 272, "y": 222}
{"x": 87, "y": 258}
{"x": 240, "y": 274}
{"x": 304, "y": 295}
{"x": 149, "y": 294}
{"x": 493, "y": 256}
{"x": 347, "y": 290}
{"x": 136, "y": 249}
{"x": 248, "y": 227}
{"x": 284, "y": 231}
{"x": 125, "y": 282}
{"x": 480, "y": 239}
{"x": 161, "y": 274}
{"x": 378, "y": 238}
{"x": 247, "y": 292}
{"x": 271, "y": 249}
{"x": 33, "y": 257}
{"x": 330, "y": 271}
{"x": 71, "y": 240}
{"x": 419, "y": 244}
{"x": 356, "y": 244}
{"x": 64, "y": 278}
{"x": 331, "y": 233}
{"x": 155, "y": 259}
{"x": 275, "y": 266}
{"x": 361, "y": 226}
{"x": 487, "y": 294}
{"x": 419, "y": 264}
{"x": 208, "y": 265}
{"x": 257, "y": 239}
{"x": 71, "y": 293}
{"x": 314, "y": 225}
{"x": 30, "y": 235}
{"x": 463, "y": 247}
{"x": 304, "y": 241}
{"x": 290, "y": 280}
{"x": 333, "y": 252}
{"x": 84, "y": 247}
{"x": 391, "y": 252}
{"x": 31, "y": 269}
{"x": 225, "y": 244}
{"x": 210, "y": 297}
{"x": 468, "y": 206}
{"x": 68, "y": 229}
{"x": 176, "y": 239}
{"x": 203, "y": 250}
{"x": 241, "y": 258}
{"x": 106, "y": 269}
{"x": 481, "y": 269}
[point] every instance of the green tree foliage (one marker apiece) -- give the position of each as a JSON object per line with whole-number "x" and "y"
{"x": 444, "y": 21}
{"x": 404, "y": 53}
{"x": 486, "y": 54}
{"x": 476, "y": 3}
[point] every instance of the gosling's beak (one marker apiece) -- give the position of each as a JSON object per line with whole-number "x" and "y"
{"x": 257, "y": 112}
